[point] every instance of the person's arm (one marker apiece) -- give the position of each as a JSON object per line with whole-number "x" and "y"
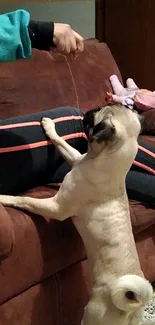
{"x": 44, "y": 35}
{"x": 14, "y": 36}
{"x": 19, "y": 34}
{"x": 41, "y": 34}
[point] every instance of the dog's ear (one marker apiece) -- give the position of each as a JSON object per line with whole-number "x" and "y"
{"x": 103, "y": 131}
{"x": 88, "y": 122}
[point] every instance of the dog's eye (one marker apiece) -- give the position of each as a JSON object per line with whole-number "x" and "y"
{"x": 130, "y": 295}
{"x": 103, "y": 131}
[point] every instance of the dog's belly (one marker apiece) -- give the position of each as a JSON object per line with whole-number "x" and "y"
{"x": 107, "y": 235}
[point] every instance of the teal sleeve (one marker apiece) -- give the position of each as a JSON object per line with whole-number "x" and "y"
{"x": 14, "y": 36}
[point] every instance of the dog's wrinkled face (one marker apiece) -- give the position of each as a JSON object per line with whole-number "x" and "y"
{"x": 112, "y": 124}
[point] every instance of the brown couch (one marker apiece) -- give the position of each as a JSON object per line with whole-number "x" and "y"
{"x": 43, "y": 271}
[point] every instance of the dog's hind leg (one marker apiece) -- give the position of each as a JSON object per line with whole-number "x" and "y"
{"x": 49, "y": 208}
{"x": 70, "y": 154}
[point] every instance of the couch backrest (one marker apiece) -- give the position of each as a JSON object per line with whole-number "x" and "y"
{"x": 49, "y": 80}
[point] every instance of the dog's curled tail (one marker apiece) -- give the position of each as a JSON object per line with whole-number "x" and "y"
{"x": 130, "y": 292}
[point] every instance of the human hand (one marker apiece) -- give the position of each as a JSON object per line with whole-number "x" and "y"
{"x": 67, "y": 40}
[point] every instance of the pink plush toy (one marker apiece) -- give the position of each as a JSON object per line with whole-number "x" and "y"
{"x": 143, "y": 99}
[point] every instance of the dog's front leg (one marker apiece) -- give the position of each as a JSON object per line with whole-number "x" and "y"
{"x": 69, "y": 153}
{"x": 48, "y": 208}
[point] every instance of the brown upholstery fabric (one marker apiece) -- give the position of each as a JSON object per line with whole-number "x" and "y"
{"x": 40, "y": 250}
{"x": 49, "y": 80}
{"x": 145, "y": 243}
{"x": 48, "y": 302}
{"x": 42, "y": 274}
{"x": 6, "y": 233}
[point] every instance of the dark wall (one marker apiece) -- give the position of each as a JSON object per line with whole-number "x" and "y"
{"x": 128, "y": 27}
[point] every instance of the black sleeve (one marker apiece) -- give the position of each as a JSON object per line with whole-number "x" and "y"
{"x": 41, "y": 34}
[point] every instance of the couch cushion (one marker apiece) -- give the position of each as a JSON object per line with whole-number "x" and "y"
{"x": 49, "y": 80}
{"x": 46, "y": 81}
{"x": 142, "y": 216}
{"x": 60, "y": 299}
{"x": 40, "y": 249}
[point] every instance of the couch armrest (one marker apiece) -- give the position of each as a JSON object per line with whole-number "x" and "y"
{"x": 149, "y": 127}
{"x": 6, "y": 233}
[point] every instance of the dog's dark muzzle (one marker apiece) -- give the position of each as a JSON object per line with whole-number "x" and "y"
{"x": 102, "y": 131}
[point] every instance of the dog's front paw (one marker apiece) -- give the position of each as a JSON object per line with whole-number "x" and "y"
{"x": 49, "y": 128}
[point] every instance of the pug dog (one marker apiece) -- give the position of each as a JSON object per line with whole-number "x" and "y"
{"x": 94, "y": 193}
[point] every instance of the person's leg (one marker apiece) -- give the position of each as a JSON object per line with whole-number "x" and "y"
{"x": 140, "y": 180}
{"x": 27, "y": 157}
{"x": 145, "y": 159}
{"x": 141, "y": 187}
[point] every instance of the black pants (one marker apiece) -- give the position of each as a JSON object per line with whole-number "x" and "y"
{"x": 140, "y": 180}
{"x": 28, "y": 159}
